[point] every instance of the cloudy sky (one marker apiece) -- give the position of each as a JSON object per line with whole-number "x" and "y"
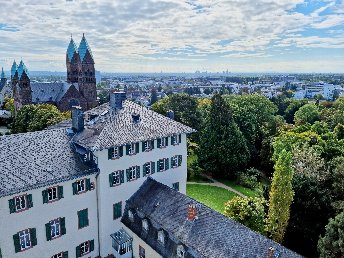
{"x": 177, "y": 35}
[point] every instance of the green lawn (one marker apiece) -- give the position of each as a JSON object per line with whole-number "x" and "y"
{"x": 212, "y": 196}
{"x": 244, "y": 190}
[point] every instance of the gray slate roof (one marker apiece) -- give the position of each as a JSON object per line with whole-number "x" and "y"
{"x": 36, "y": 159}
{"x": 117, "y": 128}
{"x": 211, "y": 235}
{"x": 49, "y": 91}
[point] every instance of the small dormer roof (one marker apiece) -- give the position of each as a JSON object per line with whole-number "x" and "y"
{"x": 14, "y": 68}
{"x": 71, "y": 50}
{"x": 83, "y": 48}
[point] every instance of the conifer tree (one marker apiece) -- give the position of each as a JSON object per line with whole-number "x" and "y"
{"x": 223, "y": 148}
{"x": 281, "y": 197}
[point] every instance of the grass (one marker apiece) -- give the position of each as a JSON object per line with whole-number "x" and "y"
{"x": 244, "y": 190}
{"x": 212, "y": 196}
{"x": 200, "y": 179}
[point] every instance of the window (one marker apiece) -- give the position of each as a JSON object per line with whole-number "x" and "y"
{"x": 131, "y": 215}
{"x": 176, "y": 161}
{"x": 115, "y": 152}
{"x": 161, "y": 237}
{"x": 148, "y": 168}
{"x": 132, "y": 149}
{"x": 20, "y": 203}
{"x": 133, "y": 173}
{"x": 52, "y": 194}
{"x": 61, "y": 255}
{"x": 55, "y": 228}
{"x": 145, "y": 225}
{"x": 116, "y": 178}
{"x": 141, "y": 252}
{"x": 84, "y": 248}
{"x": 175, "y": 186}
{"x": 180, "y": 251}
{"x": 174, "y": 139}
{"x": 24, "y": 239}
{"x": 163, "y": 142}
{"x": 147, "y": 145}
{"x": 117, "y": 210}
{"x": 162, "y": 165}
{"x": 82, "y": 186}
{"x": 83, "y": 218}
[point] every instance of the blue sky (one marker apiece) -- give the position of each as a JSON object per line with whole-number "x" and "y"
{"x": 176, "y": 35}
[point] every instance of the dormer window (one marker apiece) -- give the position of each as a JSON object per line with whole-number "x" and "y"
{"x": 161, "y": 237}
{"x": 131, "y": 215}
{"x": 180, "y": 251}
{"x": 145, "y": 225}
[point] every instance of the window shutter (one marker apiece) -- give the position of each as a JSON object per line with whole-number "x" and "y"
{"x": 60, "y": 191}
{"x": 128, "y": 174}
{"x": 121, "y": 151}
{"x": 158, "y": 166}
{"x": 65, "y": 254}
{"x": 29, "y": 201}
{"x": 137, "y": 171}
{"x": 143, "y": 146}
{"x": 144, "y": 170}
{"x": 80, "y": 220}
{"x": 167, "y": 164}
{"x": 78, "y": 251}
{"x": 0, "y": 253}
{"x": 33, "y": 236}
{"x": 166, "y": 141}
{"x": 110, "y": 153}
{"x": 137, "y": 147}
{"x": 159, "y": 143}
{"x": 48, "y": 231}
{"x": 152, "y": 167}
{"x": 180, "y": 138}
{"x": 180, "y": 157}
{"x": 91, "y": 245}
{"x": 122, "y": 176}
{"x": 45, "y": 196}
{"x": 16, "y": 242}
{"x": 86, "y": 222}
{"x": 111, "y": 179}
{"x": 88, "y": 184}
{"x": 172, "y": 165}
{"x": 12, "y": 205}
{"x": 172, "y": 140}
{"x": 63, "y": 225}
{"x": 75, "y": 188}
{"x": 152, "y": 144}
{"x": 127, "y": 149}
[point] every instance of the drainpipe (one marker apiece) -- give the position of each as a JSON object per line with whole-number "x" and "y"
{"x": 98, "y": 224}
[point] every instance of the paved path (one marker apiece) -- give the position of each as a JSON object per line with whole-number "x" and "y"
{"x": 218, "y": 184}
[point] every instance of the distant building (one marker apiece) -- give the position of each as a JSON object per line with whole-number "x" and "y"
{"x": 79, "y": 90}
{"x": 5, "y": 90}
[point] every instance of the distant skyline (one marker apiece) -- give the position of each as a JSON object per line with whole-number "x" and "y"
{"x": 177, "y": 36}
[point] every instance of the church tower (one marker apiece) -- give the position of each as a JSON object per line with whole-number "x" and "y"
{"x": 72, "y": 62}
{"x": 21, "y": 85}
{"x": 3, "y": 77}
{"x": 87, "y": 78}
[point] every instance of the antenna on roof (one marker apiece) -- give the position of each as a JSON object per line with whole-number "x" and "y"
{"x": 71, "y": 36}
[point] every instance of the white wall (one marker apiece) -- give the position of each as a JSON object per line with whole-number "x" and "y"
{"x": 40, "y": 214}
{"x": 111, "y": 195}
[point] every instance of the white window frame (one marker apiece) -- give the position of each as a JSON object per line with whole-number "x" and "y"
{"x": 115, "y": 153}
{"x": 55, "y": 228}
{"x": 175, "y": 161}
{"x": 52, "y": 194}
{"x": 145, "y": 225}
{"x": 116, "y": 176}
{"x": 81, "y": 184}
{"x": 132, "y": 150}
{"x": 147, "y": 145}
{"x": 21, "y": 202}
{"x": 175, "y": 139}
{"x": 148, "y": 165}
{"x": 161, "y": 237}
{"x": 132, "y": 173}
{"x": 164, "y": 164}
{"x": 85, "y": 248}
{"x": 59, "y": 255}
{"x": 163, "y": 142}
{"x": 24, "y": 239}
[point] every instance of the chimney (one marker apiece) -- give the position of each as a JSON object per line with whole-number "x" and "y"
{"x": 170, "y": 114}
{"x": 116, "y": 99}
{"x": 192, "y": 212}
{"x": 271, "y": 252}
{"x": 77, "y": 119}
{"x": 136, "y": 118}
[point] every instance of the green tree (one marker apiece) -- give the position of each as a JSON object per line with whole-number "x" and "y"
{"x": 308, "y": 113}
{"x": 281, "y": 197}
{"x": 37, "y": 117}
{"x": 104, "y": 96}
{"x": 249, "y": 211}
{"x": 292, "y": 108}
{"x": 223, "y": 148}
{"x": 9, "y": 105}
{"x": 332, "y": 244}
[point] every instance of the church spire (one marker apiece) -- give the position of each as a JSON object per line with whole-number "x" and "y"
{"x": 2, "y": 73}
{"x": 14, "y": 68}
{"x": 84, "y": 48}
{"x": 72, "y": 49}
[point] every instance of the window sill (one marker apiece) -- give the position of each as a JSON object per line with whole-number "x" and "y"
{"x": 25, "y": 249}
{"x": 19, "y": 211}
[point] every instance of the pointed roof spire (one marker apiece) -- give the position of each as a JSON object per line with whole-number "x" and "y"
{"x": 71, "y": 49}
{"x": 22, "y": 68}
{"x": 14, "y": 68}
{"x": 2, "y": 73}
{"x": 83, "y": 48}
